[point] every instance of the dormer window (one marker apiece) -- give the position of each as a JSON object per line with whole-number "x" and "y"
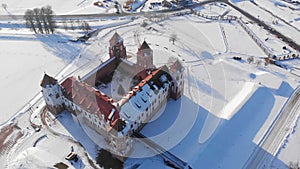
{"x": 137, "y": 105}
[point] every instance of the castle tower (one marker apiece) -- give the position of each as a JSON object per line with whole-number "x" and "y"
{"x": 177, "y": 84}
{"x": 117, "y": 48}
{"x": 52, "y": 94}
{"x": 145, "y": 56}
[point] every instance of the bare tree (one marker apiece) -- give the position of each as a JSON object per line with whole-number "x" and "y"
{"x": 72, "y": 24}
{"x": 259, "y": 62}
{"x": 65, "y": 26}
{"x": 49, "y": 14}
{"x": 85, "y": 26}
{"x": 294, "y": 165}
{"x": 173, "y": 38}
{"x": 37, "y": 17}
{"x": 29, "y": 17}
{"x": 78, "y": 23}
{"x": 266, "y": 63}
{"x": 250, "y": 59}
{"x": 4, "y": 6}
{"x": 40, "y": 20}
{"x": 44, "y": 21}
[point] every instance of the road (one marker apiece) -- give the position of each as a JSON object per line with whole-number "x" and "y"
{"x": 268, "y": 147}
{"x": 265, "y": 26}
{"x": 107, "y": 15}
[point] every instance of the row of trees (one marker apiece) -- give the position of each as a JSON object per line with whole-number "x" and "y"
{"x": 40, "y": 20}
{"x": 83, "y": 25}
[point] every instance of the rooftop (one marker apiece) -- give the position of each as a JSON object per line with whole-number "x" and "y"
{"x": 48, "y": 80}
{"x": 89, "y": 99}
{"x": 115, "y": 39}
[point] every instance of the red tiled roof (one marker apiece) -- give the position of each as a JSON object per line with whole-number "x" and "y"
{"x": 88, "y": 98}
{"x": 141, "y": 84}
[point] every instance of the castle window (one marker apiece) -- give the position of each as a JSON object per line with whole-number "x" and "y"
{"x": 131, "y": 126}
{"x": 57, "y": 95}
{"x": 147, "y": 109}
{"x": 50, "y": 95}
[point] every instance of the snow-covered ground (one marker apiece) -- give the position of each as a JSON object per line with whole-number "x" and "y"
{"x": 227, "y": 105}
{"x": 287, "y": 153}
{"x": 15, "y": 7}
{"x": 288, "y": 15}
{"x": 25, "y": 58}
{"x": 284, "y": 10}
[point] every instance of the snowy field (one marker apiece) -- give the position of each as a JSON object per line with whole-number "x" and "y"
{"x": 287, "y": 152}
{"x": 285, "y": 17}
{"x": 226, "y": 109}
{"x": 15, "y": 7}
{"x": 25, "y": 58}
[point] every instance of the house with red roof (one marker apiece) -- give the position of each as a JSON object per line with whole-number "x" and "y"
{"x": 116, "y": 118}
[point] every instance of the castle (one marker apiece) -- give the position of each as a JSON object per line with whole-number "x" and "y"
{"x": 116, "y": 115}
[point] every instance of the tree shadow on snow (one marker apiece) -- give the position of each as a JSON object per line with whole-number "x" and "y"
{"x": 60, "y": 46}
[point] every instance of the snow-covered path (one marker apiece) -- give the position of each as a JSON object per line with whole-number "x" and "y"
{"x": 266, "y": 150}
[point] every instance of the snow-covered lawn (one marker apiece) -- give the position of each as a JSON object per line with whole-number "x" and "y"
{"x": 25, "y": 57}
